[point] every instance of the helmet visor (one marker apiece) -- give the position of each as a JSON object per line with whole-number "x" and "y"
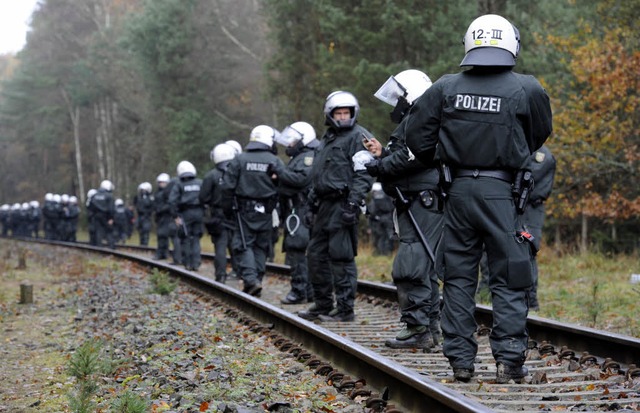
{"x": 288, "y": 136}
{"x": 390, "y": 91}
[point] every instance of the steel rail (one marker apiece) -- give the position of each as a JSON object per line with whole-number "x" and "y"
{"x": 624, "y": 349}
{"x": 407, "y": 390}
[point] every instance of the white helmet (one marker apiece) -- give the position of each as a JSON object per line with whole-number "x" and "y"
{"x": 107, "y": 185}
{"x": 236, "y": 145}
{"x": 491, "y": 40}
{"x": 163, "y": 177}
{"x": 91, "y": 193}
{"x": 48, "y": 196}
{"x": 145, "y": 186}
{"x": 73, "y": 199}
{"x": 64, "y": 198}
{"x": 408, "y": 84}
{"x": 34, "y": 204}
{"x": 186, "y": 169}
{"x": 263, "y": 134}
{"x": 25, "y": 206}
{"x": 295, "y": 132}
{"x": 119, "y": 202}
{"x": 222, "y": 152}
{"x": 377, "y": 186}
{"x": 15, "y": 207}
{"x": 341, "y": 99}
{"x": 57, "y": 198}
{"x": 5, "y": 207}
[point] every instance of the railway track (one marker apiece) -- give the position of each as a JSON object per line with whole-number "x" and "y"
{"x": 571, "y": 368}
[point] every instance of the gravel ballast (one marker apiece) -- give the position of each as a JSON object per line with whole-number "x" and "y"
{"x": 178, "y": 352}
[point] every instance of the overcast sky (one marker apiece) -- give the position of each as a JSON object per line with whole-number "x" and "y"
{"x": 14, "y": 23}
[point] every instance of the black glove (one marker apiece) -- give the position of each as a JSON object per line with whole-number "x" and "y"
{"x": 272, "y": 169}
{"x": 402, "y": 205}
{"x": 349, "y": 213}
{"x": 308, "y": 219}
{"x": 373, "y": 167}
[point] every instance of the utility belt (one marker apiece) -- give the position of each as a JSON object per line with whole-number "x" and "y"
{"x": 334, "y": 195}
{"x": 183, "y": 208}
{"x": 264, "y": 205}
{"x": 500, "y": 174}
{"x": 428, "y": 198}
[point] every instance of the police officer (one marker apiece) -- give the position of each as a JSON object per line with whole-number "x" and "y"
{"x": 57, "y": 217}
{"x": 49, "y": 214}
{"x": 254, "y": 196}
{"x": 103, "y": 208}
{"x": 188, "y": 213}
{"x": 162, "y": 211}
{"x": 414, "y": 186}
{"x": 91, "y": 224}
{"x": 380, "y": 210}
{"x": 542, "y": 165}
{"x": 120, "y": 222}
{"x": 5, "y": 215}
{"x": 484, "y": 123}
{"x": 217, "y": 224}
{"x": 73, "y": 214}
{"x": 35, "y": 216}
{"x": 143, "y": 203}
{"x": 340, "y": 184}
{"x": 294, "y": 183}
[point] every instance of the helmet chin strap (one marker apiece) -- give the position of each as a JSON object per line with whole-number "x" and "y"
{"x": 400, "y": 110}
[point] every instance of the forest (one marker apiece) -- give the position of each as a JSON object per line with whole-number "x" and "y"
{"x": 125, "y": 89}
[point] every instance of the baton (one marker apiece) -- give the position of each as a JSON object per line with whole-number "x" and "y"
{"x": 236, "y": 208}
{"x": 423, "y": 240}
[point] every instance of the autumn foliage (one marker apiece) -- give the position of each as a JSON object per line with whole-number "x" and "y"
{"x": 596, "y": 124}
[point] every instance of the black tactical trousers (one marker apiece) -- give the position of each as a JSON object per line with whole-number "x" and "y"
{"x": 413, "y": 272}
{"x": 300, "y": 285}
{"x": 533, "y": 218}
{"x": 331, "y": 254}
{"x": 480, "y": 211}
{"x": 220, "y": 243}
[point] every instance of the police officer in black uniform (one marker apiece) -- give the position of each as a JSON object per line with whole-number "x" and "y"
{"x": 484, "y": 123}
{"x": 542, "y": 165}
{"x": 380, "y": 210}
{"x": 91, "y": 222}
{"x": 143, "y": 203}
{"x": 162, "y": 211}
{"x": 188, "y": 213}
{"x": 248, "y": 185}
{"x": 414, "y": 187}
{"x": 340, "y": 184}
{"x": 5, "y": 215}
{"x": 218, "y": 224}
{"x": 103, "y": 208}
{"x": 294, "y": 183}
{"x": 72, "y": 214}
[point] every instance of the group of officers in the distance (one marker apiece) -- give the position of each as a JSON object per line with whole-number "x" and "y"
{"x": 460, "y": 169}
{"x": 58, "y": 217}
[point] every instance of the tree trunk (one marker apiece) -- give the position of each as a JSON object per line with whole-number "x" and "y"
{"x": 583, "y": 238}
{"x": 614, "y": 232}
{"x": 99, "y": 140}
{"x": 558, "y": 238}
{"x": 74, "y": 115}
